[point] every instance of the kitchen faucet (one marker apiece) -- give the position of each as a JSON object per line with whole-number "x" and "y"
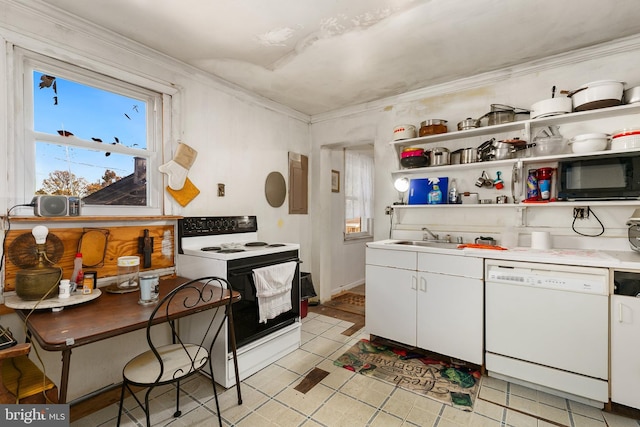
{"x": 428, "y": 233}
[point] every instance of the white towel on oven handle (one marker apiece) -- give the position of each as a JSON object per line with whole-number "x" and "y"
{"x": 273, "y": 289}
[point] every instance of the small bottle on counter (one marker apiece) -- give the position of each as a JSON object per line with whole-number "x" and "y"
{"x": 453, "y": 192}
{"x": 77, "y": 276}
{"x": 532, "y": 185}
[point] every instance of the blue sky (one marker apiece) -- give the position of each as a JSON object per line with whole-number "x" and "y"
{"x": 88, "y": 113}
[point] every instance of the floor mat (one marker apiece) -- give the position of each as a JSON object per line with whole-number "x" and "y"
{"x": 349, "y": 302}
{"x": 412, "y": 371}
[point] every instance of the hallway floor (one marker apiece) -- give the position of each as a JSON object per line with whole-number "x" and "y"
{"x": 343, "y": 398}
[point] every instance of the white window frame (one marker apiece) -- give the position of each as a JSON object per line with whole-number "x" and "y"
{"x": 365, "y": 234}
{"x": 22, "y": 150}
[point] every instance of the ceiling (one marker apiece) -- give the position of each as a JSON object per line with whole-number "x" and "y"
{"x": 320, "y": 55}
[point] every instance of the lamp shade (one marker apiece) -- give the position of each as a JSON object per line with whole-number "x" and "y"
{"x": 401, "y": 184}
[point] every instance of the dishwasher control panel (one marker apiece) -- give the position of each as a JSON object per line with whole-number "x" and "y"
{"x": 564, "y": 278}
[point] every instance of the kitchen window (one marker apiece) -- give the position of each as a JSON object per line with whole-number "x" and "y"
{"x": 358, "y": 192}
{"x": 88, "y": 135}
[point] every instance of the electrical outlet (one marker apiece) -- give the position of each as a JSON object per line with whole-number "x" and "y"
{"x": 581, "y": 213}
{"x": 388, "y": 210}
{"x": 220, "y": 190}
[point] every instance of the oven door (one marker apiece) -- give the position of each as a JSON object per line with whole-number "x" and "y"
{"x": 245, "y": 312}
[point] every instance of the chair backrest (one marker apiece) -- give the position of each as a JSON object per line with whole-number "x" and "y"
{"x": 193, "y": 296}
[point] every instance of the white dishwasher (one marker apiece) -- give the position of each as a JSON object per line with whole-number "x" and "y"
{"x": 548, "y": 325}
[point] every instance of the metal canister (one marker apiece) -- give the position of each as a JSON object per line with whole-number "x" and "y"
{"x": 74, "y": 206}
{"x": 532, "y": 184}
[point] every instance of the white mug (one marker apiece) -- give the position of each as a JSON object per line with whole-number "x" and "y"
{"x": 64, "y": 289}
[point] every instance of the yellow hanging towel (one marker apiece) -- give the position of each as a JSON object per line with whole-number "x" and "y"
{"x": 186, "y": 194}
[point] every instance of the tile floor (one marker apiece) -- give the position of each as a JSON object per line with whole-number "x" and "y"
{"x": 346, "y": 399}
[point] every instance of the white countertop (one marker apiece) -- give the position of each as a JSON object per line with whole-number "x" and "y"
{"x": 586, "y": 257}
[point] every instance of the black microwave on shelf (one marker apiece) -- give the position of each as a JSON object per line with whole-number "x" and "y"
{"x": 603, "y": 178}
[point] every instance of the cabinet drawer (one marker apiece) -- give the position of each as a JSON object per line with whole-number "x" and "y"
{"x": 455, "y": 265}
{"x": 389, "y": 258}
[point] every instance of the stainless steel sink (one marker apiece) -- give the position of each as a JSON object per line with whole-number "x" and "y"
{"x": 427, "y": 243}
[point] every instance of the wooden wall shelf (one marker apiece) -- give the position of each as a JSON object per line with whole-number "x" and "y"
{"x": 96, "y": 218}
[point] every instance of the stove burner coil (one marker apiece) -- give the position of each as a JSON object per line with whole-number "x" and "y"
{"x": 230, "y": 251}
{"x": 210, "y": 248}
{"x": 276, "y": 245}
{"x": 250, "y": 244}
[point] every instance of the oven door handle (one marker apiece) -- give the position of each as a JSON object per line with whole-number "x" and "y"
{"x": 247, "y": 273}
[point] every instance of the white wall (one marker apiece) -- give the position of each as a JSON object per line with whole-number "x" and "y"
{"x": 519, "y": 86}
{"x": 347, "y": 256}
{"x": 240, "y": 139}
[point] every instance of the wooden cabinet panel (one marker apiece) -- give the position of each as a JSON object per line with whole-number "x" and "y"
{"x": 122, "y": 241}
{"x": 298, "y": 183}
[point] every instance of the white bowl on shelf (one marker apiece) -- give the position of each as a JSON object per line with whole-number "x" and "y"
{"x": 589, "y": 142}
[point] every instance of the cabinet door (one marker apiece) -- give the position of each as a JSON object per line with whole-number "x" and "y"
{"x": 450, "y": 316}
{"x": 625, "y": 348}
{"x": 391, "y": 303}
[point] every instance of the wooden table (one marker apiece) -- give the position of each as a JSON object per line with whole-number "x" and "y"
{"x": 108, "y": 316}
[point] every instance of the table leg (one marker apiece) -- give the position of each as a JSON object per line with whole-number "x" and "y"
{"x": 232, "y": 338}
{"x": 64, "y": 378}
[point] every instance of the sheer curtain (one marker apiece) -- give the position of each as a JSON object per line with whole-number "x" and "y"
{"x": 359, "y": 188}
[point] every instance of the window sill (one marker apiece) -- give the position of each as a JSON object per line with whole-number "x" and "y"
{"x": 357, "y": 238}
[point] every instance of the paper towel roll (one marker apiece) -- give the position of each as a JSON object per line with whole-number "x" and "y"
{"x": 540, "y": 240}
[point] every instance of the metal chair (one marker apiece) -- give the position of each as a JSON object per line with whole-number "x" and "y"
{"x": 171, "y": 363}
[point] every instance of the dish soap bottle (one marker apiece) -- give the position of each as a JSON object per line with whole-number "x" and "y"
{"x": 453, "y": 193}
{"x": 77, "y": 276}
{"x": 435, "y": 195}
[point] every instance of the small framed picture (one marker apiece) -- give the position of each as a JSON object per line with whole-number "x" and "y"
{"x": 335, "y": 181}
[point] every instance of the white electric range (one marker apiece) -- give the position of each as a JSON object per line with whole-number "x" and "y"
{"x": 228, "y": 247}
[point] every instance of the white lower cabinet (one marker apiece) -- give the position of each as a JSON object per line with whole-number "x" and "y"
{"x": 390, "y": 303}
{"x": 428, "y": 300}
{"x": 625, "y": 347}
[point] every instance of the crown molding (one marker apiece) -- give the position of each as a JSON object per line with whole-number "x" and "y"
{"x": 565, "y": 59}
